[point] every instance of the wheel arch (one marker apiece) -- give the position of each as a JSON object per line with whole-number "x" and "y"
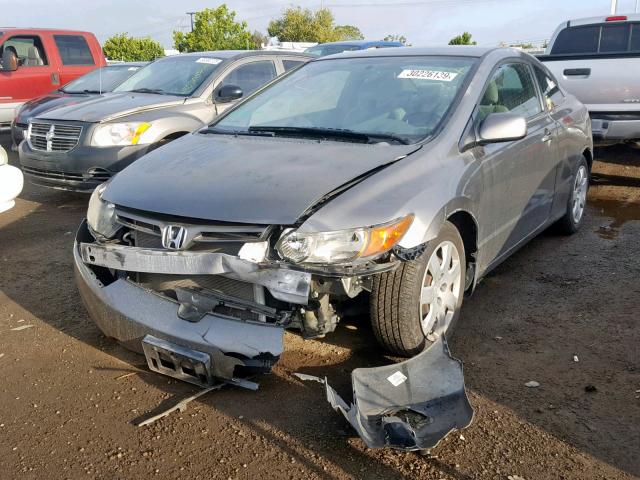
{"x": 588, "y": 155}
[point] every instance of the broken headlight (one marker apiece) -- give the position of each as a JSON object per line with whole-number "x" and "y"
{"x": 342, "y": 246}
{"x": 101, "y": 215}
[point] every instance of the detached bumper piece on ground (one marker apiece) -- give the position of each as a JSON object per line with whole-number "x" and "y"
{"x": 410, "y": 405}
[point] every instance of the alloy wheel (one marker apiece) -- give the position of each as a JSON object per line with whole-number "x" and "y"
{"x": 441, "y": 289}
{"x": 579, "y": 198}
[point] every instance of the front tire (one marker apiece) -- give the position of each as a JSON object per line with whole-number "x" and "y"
{"x": 572, "y": 219}
{"x": 420, "y": 300}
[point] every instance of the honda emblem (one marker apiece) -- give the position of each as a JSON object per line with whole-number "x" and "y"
{"x": 174, "y": 237}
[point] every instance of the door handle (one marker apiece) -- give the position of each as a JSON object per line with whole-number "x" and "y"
{"x": 55, "y": 78}
{"x": 547, "y": 137}
{"x": 577, "y": 72}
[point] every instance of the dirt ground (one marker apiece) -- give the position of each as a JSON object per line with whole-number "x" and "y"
{"x": 69, "y": 397}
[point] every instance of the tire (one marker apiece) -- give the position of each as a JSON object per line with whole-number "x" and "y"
{"x": 572, "y": 219}
{"x": 396, "y": 310}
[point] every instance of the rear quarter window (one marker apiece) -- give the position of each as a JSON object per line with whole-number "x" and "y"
{"x": 577, "y": 40}
{"x": 635, "y": 37}
{"x": 74, "y": 50}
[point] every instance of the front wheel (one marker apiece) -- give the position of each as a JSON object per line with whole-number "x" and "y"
{"x": 572, "y": 219}
{"x": 420, "y": 300}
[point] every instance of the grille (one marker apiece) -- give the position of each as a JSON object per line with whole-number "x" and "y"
{"x": 214, "y": 283}
{"x": 97, "y": 174}
{"x": 53, "y": 137}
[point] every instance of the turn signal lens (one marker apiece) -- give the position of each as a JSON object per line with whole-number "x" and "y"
{"x": 383, "y": 238}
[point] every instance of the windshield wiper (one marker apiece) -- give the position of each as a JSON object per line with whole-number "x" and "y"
{"x": 248, "y": 133}
{"x": 149, "y": 90}
{"x": 336, "y": 133}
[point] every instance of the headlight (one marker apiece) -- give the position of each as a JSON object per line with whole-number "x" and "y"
{"x": 101, "y": 215}
{"x": 121, "y": 134}
{"x": 342, "y": 246}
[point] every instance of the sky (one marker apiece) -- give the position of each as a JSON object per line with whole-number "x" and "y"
{"x": 423, "y": 22}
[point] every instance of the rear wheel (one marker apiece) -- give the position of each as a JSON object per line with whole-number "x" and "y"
{"x": 421, "y": 299}
{"x": 572, "y": 219}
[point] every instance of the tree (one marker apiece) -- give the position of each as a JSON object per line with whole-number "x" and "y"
{"x": 464, "y": 39}
{"x": 347, "y": 32}
{"x": 257, "y": 39}
{"x": 396, "y": 38}
{"x": 130, "y": 49}
{"x": 303, "y": 25}
{"x": 214, "y": 29}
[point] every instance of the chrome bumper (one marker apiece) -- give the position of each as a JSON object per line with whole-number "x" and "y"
{"x": 615, "y": 130}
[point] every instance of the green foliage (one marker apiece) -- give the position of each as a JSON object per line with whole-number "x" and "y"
{"x": 396, "y": 38}
{"x": 347, "y": 32}
{"x": 464, "y": 39}
{"x": 130, "y": 49}
{"x": 214, "y": 29}
{"x": 257, "y": 39}
{"x": 303, "y": 25}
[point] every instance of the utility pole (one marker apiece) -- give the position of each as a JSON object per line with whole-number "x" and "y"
{"x": 191, "y": 14}
{"x": 614, "y": 4}
{"x": 637, "y": 5}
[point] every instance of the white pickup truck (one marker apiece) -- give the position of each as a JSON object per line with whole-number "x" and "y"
{"x": 598, "y": 60}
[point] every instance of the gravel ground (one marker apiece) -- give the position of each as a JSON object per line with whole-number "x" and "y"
{"x": 69, "y": 398}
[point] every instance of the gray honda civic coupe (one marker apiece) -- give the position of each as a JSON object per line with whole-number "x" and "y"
{"x": 394, "y": 179}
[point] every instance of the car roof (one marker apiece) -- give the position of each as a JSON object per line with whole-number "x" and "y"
{"x": 361, "y": 43}
{"x": 36, "y": 30}
{"x": 236, "y": 54}
{"x": 451, "y": 51}
{"x": 631, "y": 17}
{"x": 127, "y": 64}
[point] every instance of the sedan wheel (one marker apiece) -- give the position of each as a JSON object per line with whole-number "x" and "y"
{"x": 420, "y": 300}
{"x": 572, "y": 219}
{"x": 441, "y": 289}
{"x": 580, "y": 187}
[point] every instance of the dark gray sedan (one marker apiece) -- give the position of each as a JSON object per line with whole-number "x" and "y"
{"x": 401, "y": 176}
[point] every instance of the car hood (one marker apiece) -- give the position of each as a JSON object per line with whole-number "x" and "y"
{"x": 112, "y": 106}
{"x": 43, "y": 104}
{"x": 244, "y": 179}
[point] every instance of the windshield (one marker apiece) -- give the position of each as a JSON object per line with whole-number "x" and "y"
{"x": 178, "y": 75}
{"x": 324, "y": 50}
{"x": 395, "y": 97}
{"x": 101, "y": 80}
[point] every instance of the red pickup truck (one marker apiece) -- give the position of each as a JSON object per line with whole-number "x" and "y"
{"x": 36, "y": 61}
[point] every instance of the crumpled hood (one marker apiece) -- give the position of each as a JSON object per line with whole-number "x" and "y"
{"x": 112, "y": 106}
{"x": 244, "y": 179}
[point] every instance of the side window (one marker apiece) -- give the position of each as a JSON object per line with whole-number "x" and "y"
{"x": 635, "y": 37}
{"x": 577, "y": 40}
{"x": 551, "y": 93}
{"x": 74, "y": 50}
{"x": 251, "y": 76}
{"x": 290, "y": 64}
{"x": 614, "y": 38}
{"x": 29, "y": 50}
{"x": 510, "y": 89}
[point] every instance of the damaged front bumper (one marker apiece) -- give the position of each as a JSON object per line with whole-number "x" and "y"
{"x": 128, "y": 312}
{"x": 410, "y": 405}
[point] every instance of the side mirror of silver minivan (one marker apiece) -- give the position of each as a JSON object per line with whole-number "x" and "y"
{"x": 229, "y": 93}
{"x": 502, "y": 127}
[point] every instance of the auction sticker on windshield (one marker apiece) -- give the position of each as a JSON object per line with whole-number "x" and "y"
{"x": 428, "y": 75}
{"x": 210, "y": 61}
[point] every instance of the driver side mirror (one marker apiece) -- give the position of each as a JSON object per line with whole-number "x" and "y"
{"x": 229, "y": 93}
{"x": 502, "y": 127}
{"x": 9, "y": 60}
